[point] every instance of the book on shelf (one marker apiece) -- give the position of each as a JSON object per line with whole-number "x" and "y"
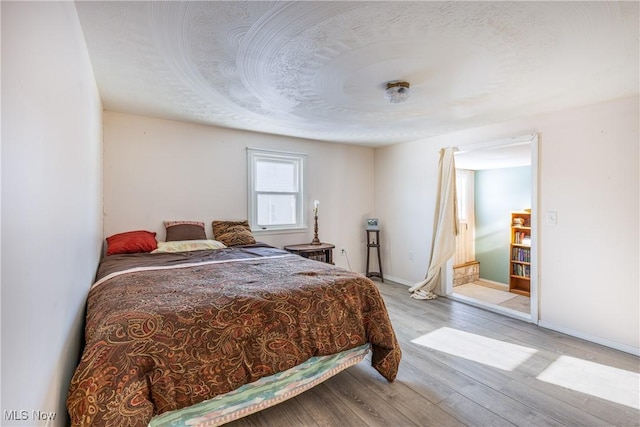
{"x": 521, "y": 254}
{"x": 521, "y": 270}
{"x": 522, "y": 238}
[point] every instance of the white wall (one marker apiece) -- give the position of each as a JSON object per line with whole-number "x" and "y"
{"x": 589, "y": 175}
{"x": 158, "y": 170}
{"x": 51, "y": 203}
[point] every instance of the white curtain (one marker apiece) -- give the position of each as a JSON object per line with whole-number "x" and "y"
{"x": 445, "y": 230}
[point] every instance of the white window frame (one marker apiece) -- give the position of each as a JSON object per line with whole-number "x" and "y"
{"x": 298, "y": 160}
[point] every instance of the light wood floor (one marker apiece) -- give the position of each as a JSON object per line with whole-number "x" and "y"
{"x": 434, "y": 388}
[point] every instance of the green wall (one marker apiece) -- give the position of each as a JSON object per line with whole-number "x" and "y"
{"x": 497, "y": 193}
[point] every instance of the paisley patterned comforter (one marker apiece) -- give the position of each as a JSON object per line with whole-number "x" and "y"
{"x": 187, "y": 327}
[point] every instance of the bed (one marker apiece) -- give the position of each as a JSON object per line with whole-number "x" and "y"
{"x": 170, "y": 336}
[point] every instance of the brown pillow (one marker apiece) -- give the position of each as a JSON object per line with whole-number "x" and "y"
{"x": 221, "y": 227}
{"x": 233, "y": 233}
{"x": 184, "y": 230}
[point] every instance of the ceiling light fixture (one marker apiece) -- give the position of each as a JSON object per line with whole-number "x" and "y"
{"x": 397, "y": 91}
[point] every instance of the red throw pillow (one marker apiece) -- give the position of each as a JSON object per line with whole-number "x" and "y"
{"x": 131, "y": 242}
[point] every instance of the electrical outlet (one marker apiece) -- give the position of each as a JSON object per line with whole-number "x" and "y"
{"x": 411, "y": 256}
{"x": 343, "y": 251}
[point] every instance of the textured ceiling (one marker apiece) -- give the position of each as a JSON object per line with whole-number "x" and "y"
{"x": 318, "y": 69}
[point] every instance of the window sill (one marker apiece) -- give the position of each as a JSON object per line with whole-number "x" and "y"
{"x": 262, "y": 231}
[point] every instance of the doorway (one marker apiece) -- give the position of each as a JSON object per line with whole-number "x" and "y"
{"x": 493, "y": 180}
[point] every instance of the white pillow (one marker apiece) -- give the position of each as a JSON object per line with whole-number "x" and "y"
{"x": 188, "y": 245}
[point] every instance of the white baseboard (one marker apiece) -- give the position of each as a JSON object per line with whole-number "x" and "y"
{"x": 399, "y": 281}
{"x": 588, "y": 337}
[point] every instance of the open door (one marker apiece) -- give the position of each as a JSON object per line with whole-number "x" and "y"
{"x": 492, "y": 290}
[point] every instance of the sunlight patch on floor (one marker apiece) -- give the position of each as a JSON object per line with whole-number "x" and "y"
{"x": 612, "y": 384}
{"x": 488, "y": 351}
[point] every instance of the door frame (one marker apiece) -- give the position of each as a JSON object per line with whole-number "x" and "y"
{"x": 533, "y": 316}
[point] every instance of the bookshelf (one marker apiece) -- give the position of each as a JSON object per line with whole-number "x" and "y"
{"x": 520, "y": 253}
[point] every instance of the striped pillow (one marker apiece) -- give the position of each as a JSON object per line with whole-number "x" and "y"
{"x": 233, "y": 233}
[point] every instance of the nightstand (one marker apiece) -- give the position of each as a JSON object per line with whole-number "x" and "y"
{"x": 322, "y": 252}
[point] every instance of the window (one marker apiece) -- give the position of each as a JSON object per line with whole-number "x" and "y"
{"x": 275, "y": 190}
{"x": 461, "y": 193}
